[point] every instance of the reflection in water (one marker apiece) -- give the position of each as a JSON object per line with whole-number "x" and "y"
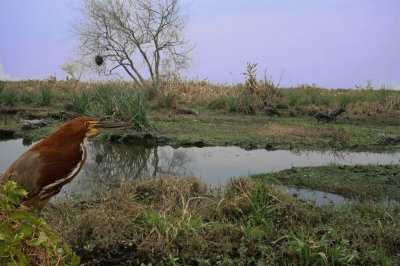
{"x": 108, "y": 164}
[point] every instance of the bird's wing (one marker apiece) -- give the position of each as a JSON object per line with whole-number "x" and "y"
{"x": 51, "y": 182}
{"x": 24, "y": 172}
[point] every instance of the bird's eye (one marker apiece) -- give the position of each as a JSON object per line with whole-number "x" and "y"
{"x": 86, "y": 124}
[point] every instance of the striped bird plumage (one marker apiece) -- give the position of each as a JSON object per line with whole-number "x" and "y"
{"x": 51, "y": 163}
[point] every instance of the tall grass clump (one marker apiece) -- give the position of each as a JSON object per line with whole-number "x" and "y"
{"x": 243, "y": 103}
{"x": 28, "y": 97}
{"x": 305, "y": 95}
{"x": 344, "y": 98}
{"x": 103, "y": 102}
{"x": 167, "y": 100}
{"x": 262, "y": 90}
{"x": 113, "y": 101}
{"x": 382, "y": 94}
{"x": 132, "y": 107}
{"x": 80, "y": 101}
{"x": 247, "y": 98}
{"x": 262, "y": 208}
{"x": 46, "y": 96}
{"x": 2, "y": 86}
{"x": 9, "y": 96}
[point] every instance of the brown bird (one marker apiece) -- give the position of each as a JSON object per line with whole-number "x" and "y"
{"x": 53, "y": 162}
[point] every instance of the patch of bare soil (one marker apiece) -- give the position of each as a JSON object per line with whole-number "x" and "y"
{"x": 296, "y": 131}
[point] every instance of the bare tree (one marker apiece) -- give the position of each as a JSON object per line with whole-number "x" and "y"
{"x": 139, "y": 36}
{"x": 74, "y": 68}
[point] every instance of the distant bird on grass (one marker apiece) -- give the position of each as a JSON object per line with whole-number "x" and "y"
{"x": 335, "y": 112}
{"x": 323, "y": 117}
{"x": 270, "y": 110}
{"x": 53, "y": 162}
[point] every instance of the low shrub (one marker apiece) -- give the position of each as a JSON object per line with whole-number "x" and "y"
{"x": 243, "y": 103}
{"x": 46, "y": 95}
{"x": 26, "y": 239}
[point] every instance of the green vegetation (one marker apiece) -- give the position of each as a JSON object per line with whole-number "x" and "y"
{"x": 118, "y": 100}
{"x": 26, "y": 239}
{"x": 229, "y": 115}
{"x": 358, "y": 182}
{"x": 46, "y": 96}
{"x": 302, "y": 100}
{"x": 356, "y": 132}
{"x": 243, "y": 103}
{"x": 178, "y": 221}
{"x": 113, "y": 101}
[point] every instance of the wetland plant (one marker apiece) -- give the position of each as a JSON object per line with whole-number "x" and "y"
{"x": 26, "y": 239}
{"x": 9, "y": 96}
{"x": 80, "y": 101}
{"x": 46, "y": 96}
{"x": 117, "y": 102}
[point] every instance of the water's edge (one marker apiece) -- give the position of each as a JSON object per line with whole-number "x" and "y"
{"x": 108, "y": 164}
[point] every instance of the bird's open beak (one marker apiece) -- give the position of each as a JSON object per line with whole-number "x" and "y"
{"x": 94, "y": 126}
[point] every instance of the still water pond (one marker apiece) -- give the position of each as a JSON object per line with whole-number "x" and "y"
{"x": 108, "y": 164}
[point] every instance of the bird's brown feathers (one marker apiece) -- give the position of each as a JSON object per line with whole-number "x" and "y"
{"x": 51, "y": 163}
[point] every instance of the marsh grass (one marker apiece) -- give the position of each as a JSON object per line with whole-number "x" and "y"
{"x": 238, "y": 98}
{"x": 180, "y": 220}
{"x": 305, "y": 95}
{"x": 113, "y": 101}
{"x": 9, "y": 97}
{"x": 46, "y": 96}
{"x": 167, "y": 100}
{"x": 133, "y": 108}
{"x": 80, "y": 101}
{"x": 243, "y": 103}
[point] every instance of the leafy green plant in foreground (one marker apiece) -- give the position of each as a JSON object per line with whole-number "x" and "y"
{"x": 311, "y": 250}
{"x": 26, "y": 239}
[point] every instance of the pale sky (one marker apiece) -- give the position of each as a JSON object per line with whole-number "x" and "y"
{"x": 333, "y": 43}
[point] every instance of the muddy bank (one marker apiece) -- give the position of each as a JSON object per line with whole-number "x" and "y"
{"x": 357, "y": 133}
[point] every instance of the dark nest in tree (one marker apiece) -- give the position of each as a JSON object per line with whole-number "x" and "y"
{"x": 99, "y": 60}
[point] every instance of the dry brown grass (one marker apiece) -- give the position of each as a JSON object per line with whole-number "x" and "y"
{"x": 109, "y": 219}
{"x": 156, "y": 217}
{"x": 297, "y": 131}
{"x": 159, "y": 220}
{"x": 198, "y": 92}
{"x": 392, "y": 104}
